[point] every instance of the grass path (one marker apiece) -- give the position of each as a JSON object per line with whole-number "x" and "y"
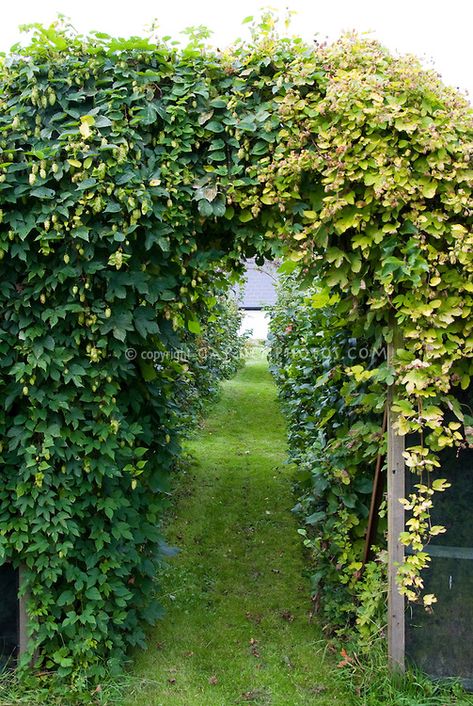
{"x": 236, "y": 629}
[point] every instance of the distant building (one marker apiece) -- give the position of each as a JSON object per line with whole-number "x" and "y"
{"x": 257, "y": 291}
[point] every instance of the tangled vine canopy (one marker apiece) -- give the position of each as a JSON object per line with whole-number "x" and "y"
{"x": 131, "y": 174}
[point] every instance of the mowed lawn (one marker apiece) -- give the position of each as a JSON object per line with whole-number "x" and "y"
{"x": 237, "y": 628}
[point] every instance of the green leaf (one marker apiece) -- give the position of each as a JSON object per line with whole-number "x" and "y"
{"x": 315, "y": 518}
{"x": 93, "y": 594}
{"x": 86, "y": 184}
{"x": 148, "y": 370}
{"x": 65, "y": 598}
{"x": 214, "y": 126}
{"x": 287, "y": 267}
{"x": 319, "y": 300}
{"x": 219, "y": 207}
{"x": 42, "y": 192}
{"x": 245, "y": 216}
{"x": 194, "y": 326}
{"x": 348, "y": 219}
{"x": 429, "y": 189}
{"x": 205, "y": 208}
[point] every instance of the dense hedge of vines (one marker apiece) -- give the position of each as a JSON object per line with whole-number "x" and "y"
{"x": 130, "y": 171}
{"x": 334, "y": 410}
{"x": 214, "y": 355}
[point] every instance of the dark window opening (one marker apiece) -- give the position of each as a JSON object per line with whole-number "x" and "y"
{"x": 439, "y": 642}
{"x": 9, "y": 615}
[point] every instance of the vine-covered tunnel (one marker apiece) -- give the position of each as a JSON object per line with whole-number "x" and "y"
{"x": 134, "y": 179}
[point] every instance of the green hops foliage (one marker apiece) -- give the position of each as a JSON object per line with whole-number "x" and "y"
{"x": 327, "y": 375}
{"x": 133, "y": 177}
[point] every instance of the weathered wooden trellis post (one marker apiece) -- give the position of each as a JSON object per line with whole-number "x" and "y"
{"x": 395, "y": 491}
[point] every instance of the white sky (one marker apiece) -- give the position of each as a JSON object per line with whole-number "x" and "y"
{"x": 438, "y": 31}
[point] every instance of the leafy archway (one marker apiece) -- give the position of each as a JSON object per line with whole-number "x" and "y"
{"x": 133, "y": 176}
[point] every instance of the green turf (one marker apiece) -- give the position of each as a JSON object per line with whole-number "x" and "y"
{"x": 237, "y": 628}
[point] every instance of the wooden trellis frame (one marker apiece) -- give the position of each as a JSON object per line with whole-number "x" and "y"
{"x": 396, "y": 520}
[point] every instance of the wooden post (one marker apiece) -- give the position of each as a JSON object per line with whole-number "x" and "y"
{"x": 396, "y": 490}
{"x": 22, "y": 619}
